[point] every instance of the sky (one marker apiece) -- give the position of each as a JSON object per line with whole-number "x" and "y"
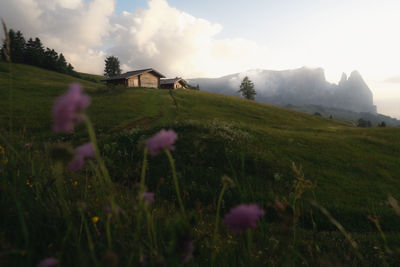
{"x": 191, "y": 38}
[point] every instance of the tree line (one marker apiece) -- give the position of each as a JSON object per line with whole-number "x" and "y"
{"x": 33, "y": 52}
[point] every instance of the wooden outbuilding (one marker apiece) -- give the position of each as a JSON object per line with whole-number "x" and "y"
{"x": 173, "y": 83}
{"x": 137, "y": 78}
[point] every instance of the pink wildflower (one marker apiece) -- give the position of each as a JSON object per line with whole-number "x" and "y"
{"x": 48, "y": 262}
{"x": 27, "y": 145}
{"x": 81, "y": 153}
{"x": 162, "y": 140}
{"x": 148, "y": 197}
{"x": 188, "y": 249}
{"x": 243, "y": 216}
{"x": 68, "y": 107}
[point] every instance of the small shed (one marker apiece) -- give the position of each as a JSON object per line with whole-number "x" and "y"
{"x": 137, "y": 78}
{"x": 173, "y": 83}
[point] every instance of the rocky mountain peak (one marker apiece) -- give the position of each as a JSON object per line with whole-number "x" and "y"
{"x": 343, "y": 79}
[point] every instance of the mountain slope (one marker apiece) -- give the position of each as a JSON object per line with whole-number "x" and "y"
{"x": 354, "y": 169}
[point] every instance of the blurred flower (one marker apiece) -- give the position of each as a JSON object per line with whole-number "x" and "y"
{"x": 68, "y": 107}
{"x": 162, "y": 140}
{"x": 81, "y": 153}
{"x": 28, "y": 145}
{"x": 95, "y": 219}
{"x": 243, "y": 216}
{"x": 115, "y": 210}
{"x": 48, "y": 262}
{"x": 148, "y": 197}
{"x": 188, "y": 249}
{"x": 2, "y": 151}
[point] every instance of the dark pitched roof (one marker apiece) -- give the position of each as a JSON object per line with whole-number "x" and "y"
{"x": 129, "y": 74}
{"x": 171, "y": 81}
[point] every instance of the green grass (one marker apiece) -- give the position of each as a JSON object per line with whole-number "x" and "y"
{"x": 354, "y": 169}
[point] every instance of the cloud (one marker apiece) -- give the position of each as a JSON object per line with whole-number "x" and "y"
{"x": 74, "y": 27}
{"x": 394, "y": 79}
{"x": 159, "y": 36}
{"x": 178, "y": 44}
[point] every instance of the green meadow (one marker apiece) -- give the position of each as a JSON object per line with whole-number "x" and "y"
{"x": 329, "y": 189}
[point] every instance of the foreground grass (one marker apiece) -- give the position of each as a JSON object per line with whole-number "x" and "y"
{"x": 352, "y": 172}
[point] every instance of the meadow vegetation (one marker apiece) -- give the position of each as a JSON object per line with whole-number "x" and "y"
{"x": 325, "y": 192}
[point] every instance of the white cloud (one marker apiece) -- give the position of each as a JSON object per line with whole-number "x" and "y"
{"x": 178, "y": 44}
{"x": 160, "y": 36}
{"x": 74, "y": 27}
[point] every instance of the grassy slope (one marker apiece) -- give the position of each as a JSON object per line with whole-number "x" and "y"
{"x": 355, "y": 168}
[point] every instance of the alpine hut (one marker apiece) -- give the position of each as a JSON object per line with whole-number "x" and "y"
{"x": 137, "y": 78}
{"x": 173, "y": 83}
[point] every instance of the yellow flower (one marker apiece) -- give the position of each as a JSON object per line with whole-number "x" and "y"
{"x": 75, "y": 183}
{"x": 28, "y": 183}
{"x": 2, "y": 151}
{"x": 5, "y": 161}
{"x": 89, "y": 186}
{"x": 95, "y": 219}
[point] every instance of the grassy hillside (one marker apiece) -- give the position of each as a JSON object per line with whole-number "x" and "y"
{"x": 352, "y": 170}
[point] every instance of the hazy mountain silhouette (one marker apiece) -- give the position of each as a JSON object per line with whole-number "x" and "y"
{"x": 303, "y": 86}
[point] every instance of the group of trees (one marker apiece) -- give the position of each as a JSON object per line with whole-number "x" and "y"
{"x": 32, "y": 52}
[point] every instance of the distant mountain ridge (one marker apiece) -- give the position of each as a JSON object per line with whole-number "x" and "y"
{"x": 302, "y": 86}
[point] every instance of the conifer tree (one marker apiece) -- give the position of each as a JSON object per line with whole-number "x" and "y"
{"x": 61, "y": 65}
{"x": 112, "y": 67}
{"x": 247, "y": 88}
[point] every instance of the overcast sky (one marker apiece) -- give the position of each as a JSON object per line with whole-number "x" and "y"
{"x": 212, "y": 38}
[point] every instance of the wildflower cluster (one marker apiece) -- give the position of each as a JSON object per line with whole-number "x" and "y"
{"x": 67, "y": 113}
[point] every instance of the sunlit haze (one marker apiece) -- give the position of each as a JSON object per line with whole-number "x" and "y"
{"x": 214, "y": 38}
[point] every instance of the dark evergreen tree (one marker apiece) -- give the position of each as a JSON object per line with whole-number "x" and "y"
{"x": 112, "y": 67}
{"x": 61, "y": 64}
{"x": 247, "y": 88}
{"x": 50, "y": 59}
{"x": 17, "y": 46}
{"x": 70, "y": 69}
{"x": 34, "y": 52}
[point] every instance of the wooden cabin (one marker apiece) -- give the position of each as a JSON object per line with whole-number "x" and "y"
{"x": 137, "y": 78}
{"x": 173, "y": 83}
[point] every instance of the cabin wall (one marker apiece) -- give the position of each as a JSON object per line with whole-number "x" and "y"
{"x": 149, "y": 80}
{"x": 177, "y": 85}
{"x": 133, "y": 82}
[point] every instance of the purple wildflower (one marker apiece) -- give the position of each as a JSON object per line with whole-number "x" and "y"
{"x": 243, "y": 216}
{"x": 81, "y": 153}
{"x": 27, "y": 145}
{"x": 115, "y": 210}
{"x": 188, "y": 249}
{"x": 148, "y": 197}
{"x": 162, "y": 140}
{"x": 48, "y": 262}
{"x": 68, "y": 107}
